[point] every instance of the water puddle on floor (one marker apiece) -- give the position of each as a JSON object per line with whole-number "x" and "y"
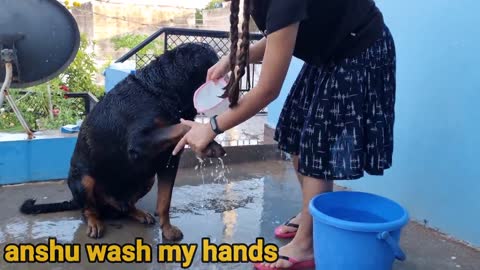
{"x": 217, "y": 197}
{"x": 21, "y": 229}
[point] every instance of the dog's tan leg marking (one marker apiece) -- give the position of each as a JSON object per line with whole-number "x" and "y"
{"x": 95, "y": 227}
{"x": 164, "y": 196}
{"x": 88, "y": 184}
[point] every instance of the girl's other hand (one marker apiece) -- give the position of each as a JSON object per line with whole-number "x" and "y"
{"x": 219, "y": 70}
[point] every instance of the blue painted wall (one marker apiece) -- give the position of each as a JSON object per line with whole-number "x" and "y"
{"x": 35, "y": 160}
{"x": 275, "y": 108}
{"x": 436, "y": 172}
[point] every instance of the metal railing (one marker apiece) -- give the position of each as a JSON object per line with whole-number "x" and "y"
{"x": 172, "y": 37}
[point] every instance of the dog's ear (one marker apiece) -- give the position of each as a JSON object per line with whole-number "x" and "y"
{"x": 164, "y": 138}
{"x": 167, "y": 137}
{"x": 150, "y": 143}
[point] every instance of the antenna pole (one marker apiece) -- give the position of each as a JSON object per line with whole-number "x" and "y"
{"x": 6, "y": 82}
{"x": 7, "y": 56}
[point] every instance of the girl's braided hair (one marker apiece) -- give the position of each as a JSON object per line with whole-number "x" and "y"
{"x": 232, "y": 89}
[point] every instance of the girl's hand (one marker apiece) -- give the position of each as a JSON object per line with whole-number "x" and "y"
{"x": 198, "y": 137}
{"x": 219, "y": 70}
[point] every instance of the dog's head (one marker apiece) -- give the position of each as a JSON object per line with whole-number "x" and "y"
{"x": 180, "y": 71}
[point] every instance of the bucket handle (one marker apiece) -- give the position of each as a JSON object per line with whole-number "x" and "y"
{"x": 397, "y": 251}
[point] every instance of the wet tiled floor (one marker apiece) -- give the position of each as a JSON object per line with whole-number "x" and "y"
{"x": 231, "y": 204}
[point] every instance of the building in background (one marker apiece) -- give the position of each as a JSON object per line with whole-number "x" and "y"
{"x": 219, "y": 18}
{"x": 103, "y": 21}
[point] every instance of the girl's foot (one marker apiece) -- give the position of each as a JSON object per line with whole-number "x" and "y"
{"x": 289, "y": 228}
{"x": 302, "y": 253}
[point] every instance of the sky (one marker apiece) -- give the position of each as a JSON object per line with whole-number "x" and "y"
{"x": 179, "y": 3}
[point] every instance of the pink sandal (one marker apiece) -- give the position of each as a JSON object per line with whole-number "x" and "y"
{"x": 310, "y": 264}
{"x": 280, "y": 234}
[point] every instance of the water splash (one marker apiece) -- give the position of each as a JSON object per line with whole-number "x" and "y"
{"x": 216, "y": 172}
{"x": 168, "y": 161}
{"x": 220, "y": 172}
{"x": 201, "y": 161}
{"x": 221, "y": 162}
{"x": 201, "y": 168}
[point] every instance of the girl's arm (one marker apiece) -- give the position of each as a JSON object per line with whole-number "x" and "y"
{"x": 222, "y": 67}
{"x": 278, "y": 49}
{"x": 257, "y": 50}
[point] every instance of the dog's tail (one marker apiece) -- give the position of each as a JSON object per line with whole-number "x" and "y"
{"x": 29, "y": 207}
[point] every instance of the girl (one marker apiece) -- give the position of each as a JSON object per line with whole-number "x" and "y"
{"x": 337, "y": 121}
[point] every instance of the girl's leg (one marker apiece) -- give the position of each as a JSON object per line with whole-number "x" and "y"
{"x": 296, "y": 219}
{"x": 289, "y": 128}
{"x": 301, "y": 247}
{"x": 299, "y": 176}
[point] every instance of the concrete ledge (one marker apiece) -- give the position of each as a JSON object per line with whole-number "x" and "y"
{"x": 235, "y": 154}
{"x": 269, "y": 134}
{"x": 48, "y": 157}
{"x": 35, "y": 160}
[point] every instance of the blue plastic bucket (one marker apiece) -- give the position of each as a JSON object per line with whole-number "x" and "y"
{"x": 356, "y": 231}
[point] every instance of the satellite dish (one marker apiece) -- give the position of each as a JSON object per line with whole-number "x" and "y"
{"x": 38, "y": 41}
{"x": 44, "y": 36}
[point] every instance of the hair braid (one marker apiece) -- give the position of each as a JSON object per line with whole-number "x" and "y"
{"x": 234, "y": 10}
{"x": 233, "y": 86}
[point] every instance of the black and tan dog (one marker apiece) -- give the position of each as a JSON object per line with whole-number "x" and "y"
{"x": 128, "y": 139}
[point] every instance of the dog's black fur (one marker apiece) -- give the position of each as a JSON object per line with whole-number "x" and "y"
{"x": 128, "y": 139}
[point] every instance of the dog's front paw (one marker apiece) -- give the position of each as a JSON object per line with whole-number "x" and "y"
{"x": 143, "y": 217}
{"x": 95, "y": 229}
{"x": 172, "y": 233}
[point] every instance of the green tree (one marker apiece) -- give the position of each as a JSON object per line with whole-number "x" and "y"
{"x": 35, "y": 104}
{"x": 129, "y": 41}
{"x": 214, "y": 4}
{"x": 198, "y": 17}
{"x": 80, "y": 74}
{"x": 35, "y": 108}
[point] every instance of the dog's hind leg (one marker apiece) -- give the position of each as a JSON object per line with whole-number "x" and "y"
{"x": 166, "y": 179}
{"x": 95, "y": 227}
{"x": 137, "y": 214}
{"x": 141, "y": 216}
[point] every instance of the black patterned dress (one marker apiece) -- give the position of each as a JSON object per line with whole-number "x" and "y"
{"x": 339, "y": 117}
